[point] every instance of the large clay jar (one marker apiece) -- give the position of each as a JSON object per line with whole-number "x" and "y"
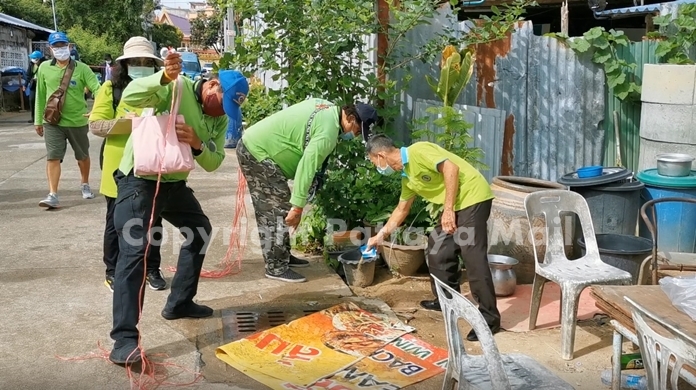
{"x": 508, "y": 228}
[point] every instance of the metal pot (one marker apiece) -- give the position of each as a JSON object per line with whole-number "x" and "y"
{"x": 504, "y": 278}
{"x": 674, "y": 164}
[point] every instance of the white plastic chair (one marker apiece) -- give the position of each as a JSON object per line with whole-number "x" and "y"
{"x": 490, "y": 370}
{"x": 660, "y": 351}
{"x": 572, "y": 276}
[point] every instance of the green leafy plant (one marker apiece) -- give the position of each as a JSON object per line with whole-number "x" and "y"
{"x": 500, "y": 24}
{"x": 260, "y": 103}
{"x": 309, "y": 237}
{"x": 206, "y": 31}
{"x": 602, "y": 44}
{"x": 456, "y": 69}
{"x": 677, "y": 34}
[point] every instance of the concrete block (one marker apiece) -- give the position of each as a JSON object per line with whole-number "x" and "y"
{"x": 650, "y": 149}
{"x": 668, "y": 122}
{"x": 671, "y": 84}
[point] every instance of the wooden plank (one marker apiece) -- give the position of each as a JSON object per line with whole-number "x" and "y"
{"x": 652, "y": 298}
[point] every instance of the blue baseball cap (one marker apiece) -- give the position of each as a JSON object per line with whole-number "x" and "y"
{"x": 235, "y": 88}
{"x": 57, "y": 37}
{"x": 36, "y": 55}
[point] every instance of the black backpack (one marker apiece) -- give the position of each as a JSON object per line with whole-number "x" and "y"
{"x": 116, "y": 92}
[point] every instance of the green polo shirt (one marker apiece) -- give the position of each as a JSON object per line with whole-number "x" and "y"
{"x": 281, "y": 139}
{"x": 75, "y": 107}
{"x": 147, "y": 92}
{"x": 421, "y": 177}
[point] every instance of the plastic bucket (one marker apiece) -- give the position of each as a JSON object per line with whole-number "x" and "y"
{"x": 359, "y": 271}
{"x": 622, "y": 251}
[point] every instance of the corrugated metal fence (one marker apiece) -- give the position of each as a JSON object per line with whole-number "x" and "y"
{"x": 553, "y": 103}
{"x": 639, "y": 53}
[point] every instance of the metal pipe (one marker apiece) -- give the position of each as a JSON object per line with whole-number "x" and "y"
{"x": 55, "y": 21}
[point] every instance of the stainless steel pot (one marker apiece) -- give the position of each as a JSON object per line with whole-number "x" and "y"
{"x": 504, "y": 277}
{"x": 674, "y": 164}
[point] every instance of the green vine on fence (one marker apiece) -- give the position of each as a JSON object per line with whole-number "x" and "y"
{"x": 602, "y": 45}
{"x": 677, "y": 35}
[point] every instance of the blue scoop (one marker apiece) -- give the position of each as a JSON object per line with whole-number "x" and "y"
{"x": 368, "y": 254}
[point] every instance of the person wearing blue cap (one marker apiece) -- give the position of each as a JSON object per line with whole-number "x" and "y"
{"x": 294, "y": 143}
{"x": 73, "y": 124}
{"x": 35, "y": 58}
{"x": 204, "y": 104}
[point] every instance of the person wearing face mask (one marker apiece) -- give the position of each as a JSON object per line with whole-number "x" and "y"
{"x": 35, "y": 58}
{"x": 204, "y": 105}
{"x": 73, "y": 122}
{"x": 441, "y": 177}
{"x": 138, "y": 60}
{"x": 293, "y": 144}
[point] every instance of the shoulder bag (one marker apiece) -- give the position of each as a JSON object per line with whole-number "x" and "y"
{"x": 54, "y": 105}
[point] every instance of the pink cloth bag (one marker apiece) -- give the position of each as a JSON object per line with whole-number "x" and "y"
{"x": 156, "y": 147}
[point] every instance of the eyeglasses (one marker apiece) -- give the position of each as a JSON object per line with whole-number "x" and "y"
{"x": 141, "y": 62}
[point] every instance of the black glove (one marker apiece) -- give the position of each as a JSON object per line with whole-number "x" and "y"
{"x": 315, "y": 187}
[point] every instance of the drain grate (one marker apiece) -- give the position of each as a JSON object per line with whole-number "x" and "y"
{"x": 237, "y": 324}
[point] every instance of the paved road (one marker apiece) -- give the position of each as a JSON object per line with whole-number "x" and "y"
{"x": 52, "y": 297}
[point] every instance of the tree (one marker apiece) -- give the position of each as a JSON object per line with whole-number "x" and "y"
{"x": 93, "y": 47}
{"x": 119, "y": 20}
{"x": 32, "y": 11}
{"x": 206, "y": 31}
{"x": 165, "y": 35}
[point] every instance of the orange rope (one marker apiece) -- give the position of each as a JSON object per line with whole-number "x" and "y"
{"x": 237, "y": 245}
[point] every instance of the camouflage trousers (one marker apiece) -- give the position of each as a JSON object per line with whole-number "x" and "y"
{"x": 270, "y": 196}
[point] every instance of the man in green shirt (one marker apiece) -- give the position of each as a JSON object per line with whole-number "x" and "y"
{"x": 444, "y": 178}
{"x": 293, "y": 144}
{"x": 204, "y": 104}
{"x": 73, "y": 125}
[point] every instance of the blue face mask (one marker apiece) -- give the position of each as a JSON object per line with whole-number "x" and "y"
{"x": 385, "y": 170}
{"x": 136, "y": 72}
{"x": 347, "y": 136}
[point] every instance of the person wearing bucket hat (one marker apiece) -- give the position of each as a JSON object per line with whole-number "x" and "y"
{"x": 138, "y": 60}
{"x": 72, "y": 126}
{"x": 35, "y": 60}
{"x": 203, "y": 105}
{"x": 294, "y": 143}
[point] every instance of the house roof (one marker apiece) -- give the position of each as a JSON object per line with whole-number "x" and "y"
{"x": 7, "y": 19}
{"x": 182, "y": 24}
{"x": 639, "y": 10}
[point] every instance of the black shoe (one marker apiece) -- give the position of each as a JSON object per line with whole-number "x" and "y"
{"x": 472, "y": 335}
{"x": 127, "y": 354}
{"x": 287, "y": 276}
{"x": 109, "y": 282}
{"x": 191, "y": 310}
{"x": 155, "y": 280}
{"x": 298, "y": 263}
{"x": 431, "y": 305}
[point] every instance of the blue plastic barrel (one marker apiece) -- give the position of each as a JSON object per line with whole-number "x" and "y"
{"x": 676, "y": 221}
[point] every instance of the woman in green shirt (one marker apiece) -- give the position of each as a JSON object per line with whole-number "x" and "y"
{"x": 138, "y": 60}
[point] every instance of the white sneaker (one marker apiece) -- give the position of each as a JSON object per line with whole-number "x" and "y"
{"x": 86, "y": 191}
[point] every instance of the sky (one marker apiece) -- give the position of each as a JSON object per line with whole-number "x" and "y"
{"x": 176, "y": 3}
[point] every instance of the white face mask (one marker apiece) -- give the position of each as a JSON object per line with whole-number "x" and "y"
{"x": 61, "y": 53}
{"x": 108, "y": 62}
{"x": 35, "y": 61}
{"x": 136, "y": 72}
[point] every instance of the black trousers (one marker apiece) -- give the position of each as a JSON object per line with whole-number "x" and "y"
{"x": 472, "y": 245}
{"x": 154, "y": 258}
{"x": 175, "y": 203}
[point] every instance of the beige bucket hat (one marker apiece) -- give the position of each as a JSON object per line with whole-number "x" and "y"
{"x": 139, "y": 47}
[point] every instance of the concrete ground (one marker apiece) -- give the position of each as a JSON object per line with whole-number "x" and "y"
{"x": 53, "y": 303}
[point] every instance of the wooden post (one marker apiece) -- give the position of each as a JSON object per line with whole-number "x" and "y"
{"x": 21, "y": 93}
{"x": 649, "y": 25}
{"x": 564, "y": 17}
